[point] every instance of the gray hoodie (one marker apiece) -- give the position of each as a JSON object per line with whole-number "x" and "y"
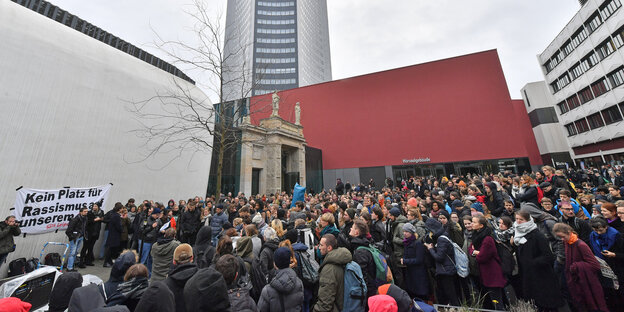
{"x": 286, "y": 285}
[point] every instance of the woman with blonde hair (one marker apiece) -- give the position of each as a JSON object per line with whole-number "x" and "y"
{"x": 276, "y": 224}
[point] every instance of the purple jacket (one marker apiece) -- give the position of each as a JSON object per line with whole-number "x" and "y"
{"x": 582, "y": 269}
{"x": 489, "y": 264}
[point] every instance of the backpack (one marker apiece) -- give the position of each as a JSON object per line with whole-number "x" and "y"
{"x": 508, "y": 260}
{"x": 53, "y": 259}
{"x": 383, "y": 274}
{"x": 309, "y": 268}
{"x": 354, "y": 299}
{"x": 32, "y": 264}
{"x": 17, "y": 267}
{"x": 607, "y": 277}
{"x": 461, "y": 259}
{"x": 257, "y": 276}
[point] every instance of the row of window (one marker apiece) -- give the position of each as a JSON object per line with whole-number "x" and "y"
{"x": 276, "y": 4}
{"x": 276, "y": 50}
{"x": 262, "y": 91}
{"x": 276, "y": 22}
{"x": 278, "y": 81}
{"x": 602, "y": 51}
{"x": 290, "y": 70}
{"x": 276, "y": 13}
{"x": 605, "y": 10}
{"x": 53, "y": 12}
{"x": 275, "y": 60}
{"x": 594, "y": 90}
{"x": 275, "y": 40}
{"x": 276, "y": 31}
{"x": 605, "y": 117}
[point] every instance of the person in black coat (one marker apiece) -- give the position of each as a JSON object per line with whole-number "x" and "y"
{"x": 61, "y": 293}
{"x": 183, "y": 270}
{"x": 94, "y": 226}
{"x": 339, "y": 187}
{"x": 114, "y": 236}
{"x": 206, "y": 281}
{"x": 528, "y": 191}
{"x": 494, "y": 200}
{"x": 76, "y": 231}
{"x": 414, "y": 254}
{"x": 535, "y": 263}
{"x": 189, "y": 221}
{"x": 157, "y": 297}
{"x": 363, "y": 257}
{"x": 203, "y": 251}
{"x": 442, "y": 254}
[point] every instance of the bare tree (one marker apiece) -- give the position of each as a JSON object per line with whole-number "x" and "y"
{"x": 182, "y": 120}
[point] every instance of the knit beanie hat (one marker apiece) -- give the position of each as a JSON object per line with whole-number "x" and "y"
{"x": 408, "y": 227}
{"x": 281, "y": 257}
{"x": 412, "y": 202}
{"x": 395, "y": 211}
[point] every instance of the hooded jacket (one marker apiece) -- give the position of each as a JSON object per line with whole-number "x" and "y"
{"x": 217, "y": 222}
{"x": 382, "y": 303}
{"x": 366, "y": 261}
{"x": 266, "y": 254}
{"x": 286, "y": 288}
{"x": 156, "y": 298}
{"x": 203, "y": 251}
{"x": 129, "y": 293}
{"x": 206, "y": 281}
{"x": 117, "y": 273}
{"x": 177, "y": 280}
{"x": 61, "y": 293}
{"x": 397, "y": 239}
{"x": 162, "y": 258}
{"x": 13, "y": 304}
{"x": 86, "y": 298}
{"x": 331, "y": 277}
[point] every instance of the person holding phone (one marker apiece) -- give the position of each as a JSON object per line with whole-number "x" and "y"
{"x": 608, "y": 244}
{"x": 8, "y": 229}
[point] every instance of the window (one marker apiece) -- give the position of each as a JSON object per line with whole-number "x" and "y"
{"x": 590, "y": 60}
{"x": 276, "y": 4}
{"x": 611, "y": 115}
{"x": 616, "y": 77}
{"x": 567, "y": 48}
{"x": 595, "y": 121}
{"x": 276, "y": 40}
{"x": 593, "y": 22}
{"x": 579, "y": 36}
{"x": 571, "y": 129}
{"x": 608, "y": 7}
{"x": 275, "y": 60}
{"x": 275, "y": 31}
{"x": 290, "y": 70}
{"x": 576, "y": 70}
{"x": 605, "y": 49}
{"x": 275, "y": 13}
{"x": 618, "y": 37}
{"x": 563, "y": 107}
{"x": 278, "y": 81}
{"x": 585, "y": 95}
{"x": 573, "y": 102}
{"x": 555, "y": 86}
{"x": 563, "y": 81}
{"x": 276, "y": 22}
{"x": 548, "y": 66}
{"x": 600, "y": 87}
{"x": 282, "y": 50}
{"x": 581, "y": 125}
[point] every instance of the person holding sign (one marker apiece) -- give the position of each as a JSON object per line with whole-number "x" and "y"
{"x": 76, "y": 231}
{"x": 8, "y": 229}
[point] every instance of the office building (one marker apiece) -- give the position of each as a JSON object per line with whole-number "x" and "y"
{"x": 584, "y": 70}
{"x": 275, "y": 45}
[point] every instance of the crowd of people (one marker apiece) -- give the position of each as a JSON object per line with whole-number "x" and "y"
{"x": 553, "y": 237}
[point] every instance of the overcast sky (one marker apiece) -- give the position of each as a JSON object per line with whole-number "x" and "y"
{"x": 375, "y": 35}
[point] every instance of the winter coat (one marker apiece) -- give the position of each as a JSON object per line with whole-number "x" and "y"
{"x": 537, "y": 276}
{"x": 156, "y": 298}
{"x": 217, "y": 222}
{"x": 6, "y": 237}
{"x": 489, "y": 264}
{"x": 286, "y": 290}
{"x": 129, "y": 293}
{"x": 580, "y": 226}
{"x": 495, "y": 203}
{"x": 241, "y": 301}
{"x": 86, "y": 298}
{"x": 442, "y": 253}
{"x": 266, "y": 255}
{"x": 528, "y": 194}
{"x": 203, "y": 251}
{"x": 61, "y": 292}
{"x": 76, "y": 227}
{"x": 582, "y": 271}
{"x": 378, "y": 231}
{"x": 397, "y": 239}
{"x": 190, "y": 221}
{"x": 162, "y": 258}
{"x": 421, "y": 228}
{"x": 416, "y": 277}
{"x": 123, "y": 262}
{"x": 94, "y": 227}
{"x": 114, "y": 230}
{"x": 366, "y": 261}
{"x": 257, "y": 245}
{"x": 382, "y": 303}
{"x": 126, "y": 228}
{"x": 177, "y": 279}
{"x": 206, "y": 281}
{"x": 617, "y": 224}
{"x": 454, "y": 232}
{"x": 150, "y": 233}
{"x": 331, "y": 277}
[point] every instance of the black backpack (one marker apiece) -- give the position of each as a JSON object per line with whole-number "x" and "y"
{"x": 17, "y": 267}
{"x": 53, "y": 259}
{"x": 257, "y": 276}
{"x": 32, "y": 264}
{"x": 508, "y": 260}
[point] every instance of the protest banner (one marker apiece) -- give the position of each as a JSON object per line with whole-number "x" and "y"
{"x": 41, "y": 211}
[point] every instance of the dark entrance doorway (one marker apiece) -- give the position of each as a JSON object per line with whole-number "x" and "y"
{"x": 255, "y": 181}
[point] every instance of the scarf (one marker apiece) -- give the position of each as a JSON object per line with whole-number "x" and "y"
{"x": 408, "y": 240}
{"x": 479, "y": 235}
{"x": 573, "y": 239}
{"x": 522, "y": 229}
{"x": 600, "y": 242}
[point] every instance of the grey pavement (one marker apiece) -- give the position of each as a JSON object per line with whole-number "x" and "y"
{"x": 96, "y": 270}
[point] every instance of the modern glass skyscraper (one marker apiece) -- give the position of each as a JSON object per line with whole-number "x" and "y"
{"x": 275, "y": 45}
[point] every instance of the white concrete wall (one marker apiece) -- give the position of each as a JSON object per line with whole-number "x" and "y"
{"x": 64, "y": 119}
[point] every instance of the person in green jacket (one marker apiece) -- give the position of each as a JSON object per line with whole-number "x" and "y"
{"x": 8, "y": 229}
{"x": 331, "y": 275}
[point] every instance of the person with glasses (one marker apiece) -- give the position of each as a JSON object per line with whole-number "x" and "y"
{"x": 608, "y": 244}
{"x": 548, "y": 207}
{"x": 580, "y": 226}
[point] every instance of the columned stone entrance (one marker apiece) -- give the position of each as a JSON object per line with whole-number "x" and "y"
{"x": 272, "y": 156}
